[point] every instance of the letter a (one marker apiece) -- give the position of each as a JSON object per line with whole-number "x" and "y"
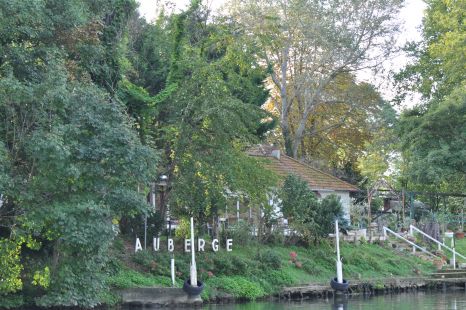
{"x": 138, "y": 246}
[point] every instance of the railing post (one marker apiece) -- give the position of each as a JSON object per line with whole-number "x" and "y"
{"x": 411, "y": 233}
{"x": 454, "y": 258}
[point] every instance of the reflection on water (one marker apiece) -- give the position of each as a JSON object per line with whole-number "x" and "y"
{"x": 421, "y": 300}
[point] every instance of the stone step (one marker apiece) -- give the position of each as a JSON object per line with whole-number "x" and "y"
{"x": 449, "y": 275}
{"x": 452, "y": 271}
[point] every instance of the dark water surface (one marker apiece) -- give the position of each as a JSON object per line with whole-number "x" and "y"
{"x": 421, "y": 300}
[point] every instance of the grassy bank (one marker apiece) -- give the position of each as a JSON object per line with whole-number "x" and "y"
{"x": 256, "y": 270}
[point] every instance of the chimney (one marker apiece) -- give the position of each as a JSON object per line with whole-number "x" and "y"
{"x": 275, "y": 152}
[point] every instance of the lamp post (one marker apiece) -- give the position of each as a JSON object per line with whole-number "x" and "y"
{"x": 163, "y": 182}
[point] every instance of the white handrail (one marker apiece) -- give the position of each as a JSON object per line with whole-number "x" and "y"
{"x": 385, "y": 229}
{"x": 453, "y": 251}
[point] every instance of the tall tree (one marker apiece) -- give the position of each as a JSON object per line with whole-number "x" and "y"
{"x": 71, "y": 158}
{"x": 439, "y": 60}
{"x": 307, "y": 44}
{"x": 433, "y": 133}
{"x": 212, "y": 116}
{"x": 337, "y": 133}
{"x": 434, "y": 144}
{"x": 195, "y": 90}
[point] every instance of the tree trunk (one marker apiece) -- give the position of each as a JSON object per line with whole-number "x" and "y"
{"x": 287, "y": 136}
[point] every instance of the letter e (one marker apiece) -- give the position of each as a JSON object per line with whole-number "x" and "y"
{"x": 229, "y": 245}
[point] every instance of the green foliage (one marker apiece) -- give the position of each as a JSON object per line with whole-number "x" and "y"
{"x": 11, "y": 302}
{"x": 127, "y": 278}
{"x": 432, "y": 135}
{"x": 240, "y": 232}
{"x": 238, "y": 286}
{"x": 70, "y": 160}
{"x": 42, "y": 277}
{"x": 439, "y": 59}
{"x": 209, "y": 121}
{"x": 269, "y": 259}
{"x": 311, "y": 218}
{"x": 434, "y": 143}
{"x": 10, "y": 266}
{"x": 278, "y": 278}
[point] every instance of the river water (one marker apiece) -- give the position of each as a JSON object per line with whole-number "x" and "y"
{"x": 420, "y": 300}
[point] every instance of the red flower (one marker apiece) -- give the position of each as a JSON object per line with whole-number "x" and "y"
{"x": 293, "y": 256}
{"x": 210, "y": 274}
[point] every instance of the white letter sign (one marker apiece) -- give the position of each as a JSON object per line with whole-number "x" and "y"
{"x": 187, "y": 245}
{"x": 215, "y": 245}
{"x": 156, "y": 244}
{"x": 229, "y": 244}
{"x": 170, "y": 245}
{"x": 138, "y": 246}
{"x": 200, "y": 245}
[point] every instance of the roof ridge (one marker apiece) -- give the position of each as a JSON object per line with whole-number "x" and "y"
{"x": 315, "y": 169}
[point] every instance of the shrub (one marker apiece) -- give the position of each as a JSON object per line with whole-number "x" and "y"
{"x": 223, "y": 265}
{"x": 158, "y": 263}
{"x": 269, "y": 259}
{"x": 310, "y": 218}
{"x": 128, "y": 278}
{"x": 240, "y": 232}
{"x": 278, "y": 278}
{"x": 311, "y": 267}
{"x": 238, "y": 286}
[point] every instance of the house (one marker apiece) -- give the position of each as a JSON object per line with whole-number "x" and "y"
{"x": 321, "y": 183}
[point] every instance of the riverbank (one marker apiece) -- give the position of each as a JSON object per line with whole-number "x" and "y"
{"x": 143, "y": 298}
{"x": 254, "y": 271}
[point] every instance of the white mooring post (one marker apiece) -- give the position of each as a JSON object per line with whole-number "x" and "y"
{"x": 193, "y": 259}
{"x": 172, "y": 270}
{"x": 339, "y": 264}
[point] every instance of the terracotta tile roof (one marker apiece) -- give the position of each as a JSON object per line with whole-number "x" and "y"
{"x": 317, "y": 180}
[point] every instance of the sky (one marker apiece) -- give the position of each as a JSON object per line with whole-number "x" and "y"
{"x": 410, "y": 17}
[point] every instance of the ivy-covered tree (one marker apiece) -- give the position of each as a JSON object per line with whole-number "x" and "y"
{"x": 70, "y": 160}
{"x": 211, "y": 117}
{"x": 204, "y": 113}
